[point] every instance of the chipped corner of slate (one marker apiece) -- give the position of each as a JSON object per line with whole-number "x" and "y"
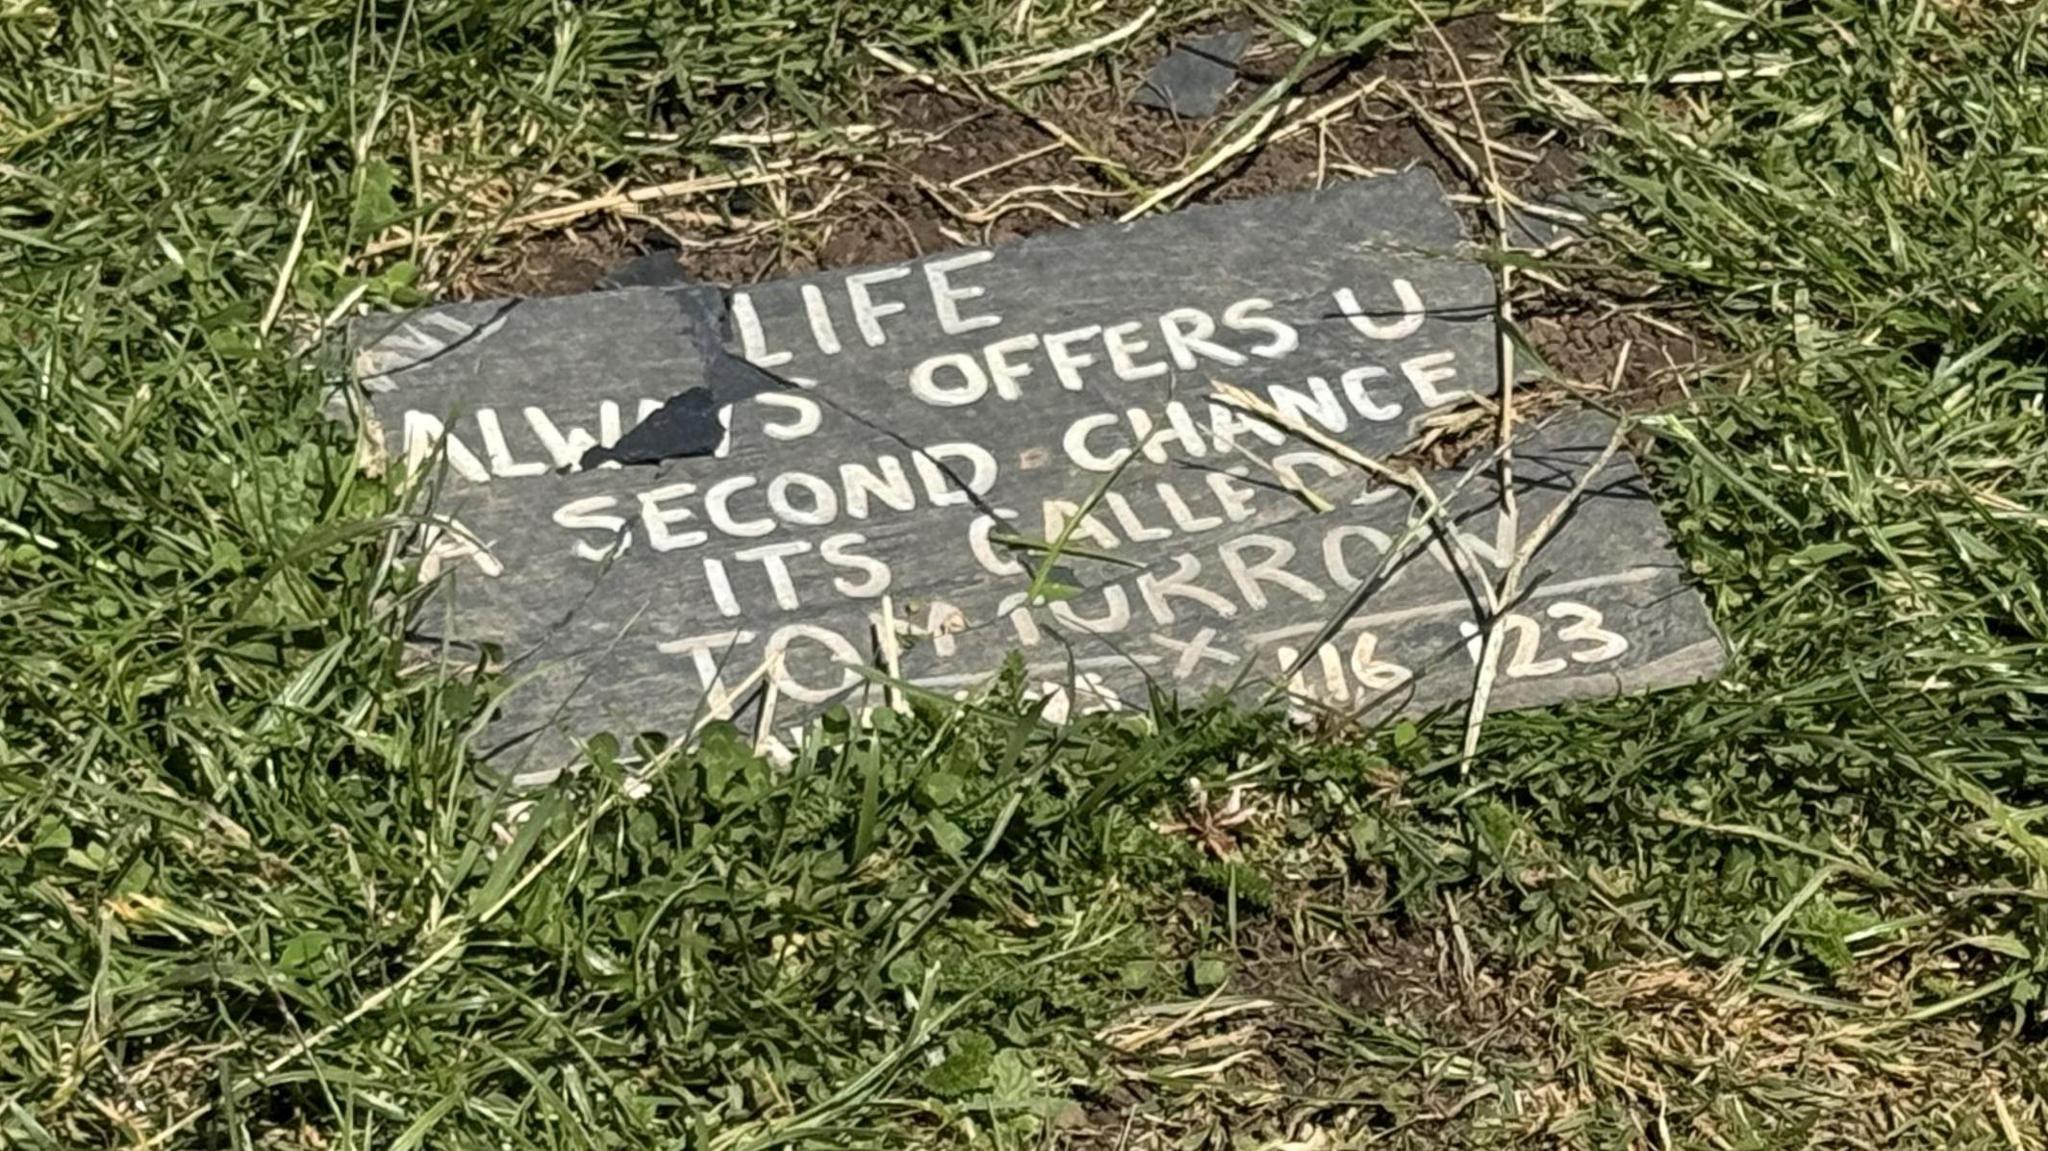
{"x": 1558, "y": 219}
{"x": 372, "y": 458}
{"x": 376, "y": 350}
{"x": 688, "y": 423}
{"x": 1450, "y": 242}
{"x": 360, "y": 373}
{"x": 1702, "y": 653}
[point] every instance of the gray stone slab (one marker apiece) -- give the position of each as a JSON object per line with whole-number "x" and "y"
{"x": 918, "y": 425}
{"x": 1192, "y": 79}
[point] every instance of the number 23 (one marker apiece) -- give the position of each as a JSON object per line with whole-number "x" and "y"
{"x": 1581, "y": 625}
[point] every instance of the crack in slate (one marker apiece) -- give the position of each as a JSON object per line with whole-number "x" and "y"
{"x": 1451, "y": 313}
{"x": 687, "y": 424}
{"x": 477, "y": 334}
{"x": 1559, "y": 459}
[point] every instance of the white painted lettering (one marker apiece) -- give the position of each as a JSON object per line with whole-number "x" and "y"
{"x": 578, "y": 515}
{"x": 1076, "y": 444}
{"x": 659, "y": 522}
{"x": 1066, "y": 362}
{"x": 822, "y": 500}
{"x": 721, "y": 588}
{"x": 980, "y": 543}
{"x": 1156, "y": 590}
{"x": 1059, "y": 513}
{"x": 1122, "y": 347}
{"x": 1282, "y": 338}
{"x": 980, "y": 478}
{"x": 1057, "y": 705}
{"x": 1184, "y": 517}
{"x": 843, "y": 654}
{"x": 867, "y": 313}
{"x": 1235, "y": 496}
{"x": 941, "y": 623}
{"x": 1522, "y": 662}
{"x": 1500, "y": 550}
{"x": 753, "y": 342}
{"x": 1003, "y": 371}
{"x": 823, "y": 333}
{"x": 1185, "y": 430}
{"x": 566, "y": 449}
{"x": 1298, "y": 690}
{"x": 1252, "y": 578}
{"x": 946, "y": 298}
{"x": 1320, "y": 405}
{"x": 1180, "y": 426}
{"x": 1375, "y": 673}
{"x": 973, "y": 385}
{"x": 838, "y": 552}
{"x": 427, "y": 438}
{"x": 1228, "y": 427}
{"x": 1375, "y": 328}
{"x": 1353, "y": 383}
{"x": 1333, "y": 673}
{"x": 1186, "y": 332}
{"x": 808, "y": 416}
{"x": 608, "y": 430}
{"x": 500, "y": 453}
{"x": 891, "y": 487}
{"x": 1116, "y": 615}
{"x": 1426, "y": 371}
{"x": 1135, "y": 529}
{"x": 1585, "y": 625}
{"x": 1288, "y": 465}
{"x": 715, "y": 508}
{"x": 724, "y": 447}
{"x": 1013, "y": 609}
{"x": 1094, "y": 694}
{"x": 1335, "y": 561}
{"x": 706, "y": 653}
{"x": 772, "y": 559}
{"x": 446, "y": 541}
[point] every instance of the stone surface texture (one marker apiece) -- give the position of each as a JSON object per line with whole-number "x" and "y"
{"x": 927, "y": 431}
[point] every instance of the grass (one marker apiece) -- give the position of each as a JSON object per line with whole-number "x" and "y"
{"x": 256, "y": 894}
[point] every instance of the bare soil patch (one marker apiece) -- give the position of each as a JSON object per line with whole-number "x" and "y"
{"x": 948, "y": 168}
{"x": 1345, "y": 1026}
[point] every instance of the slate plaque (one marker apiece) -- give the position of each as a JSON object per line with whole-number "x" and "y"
{"x": 929, "y": 428}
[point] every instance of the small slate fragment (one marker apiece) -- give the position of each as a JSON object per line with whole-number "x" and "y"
{"x": 1192, "y": 79}
{"x": 1541, "y": 232}
{"x": 657, "y": 269}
